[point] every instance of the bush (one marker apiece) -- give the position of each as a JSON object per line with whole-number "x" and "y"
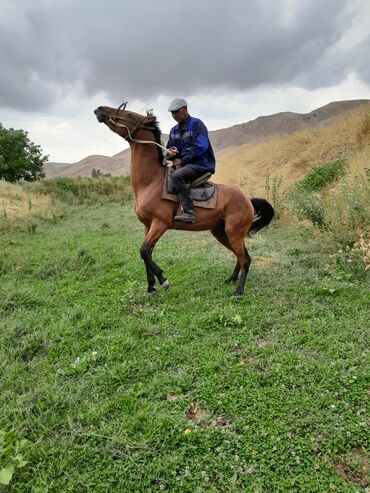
{"x": 347, "y": 210}
{"x": 306, "y": 205}
{"x": 320, "y": 176}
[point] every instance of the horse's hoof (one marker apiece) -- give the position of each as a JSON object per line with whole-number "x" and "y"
{"x": 229, "y": 280}
{"x": 237, "y": 293}
{"x": 151, "y": 291}
{"x": 165, "y": 285}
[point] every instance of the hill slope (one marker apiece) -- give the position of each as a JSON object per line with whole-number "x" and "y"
{"x": 290, "y": 157}
{"x": 260, "y": 129}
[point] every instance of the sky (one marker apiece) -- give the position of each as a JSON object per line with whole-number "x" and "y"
{"x": 233, "y": 60}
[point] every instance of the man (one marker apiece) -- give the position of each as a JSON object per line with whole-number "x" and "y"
{"x": 190, "y": 148}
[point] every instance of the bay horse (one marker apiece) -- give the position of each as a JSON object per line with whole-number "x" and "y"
{"x": 234, "y": 216}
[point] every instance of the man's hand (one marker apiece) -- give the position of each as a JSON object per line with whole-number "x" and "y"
{"x": 171, "y": 152}
{"x": 176, "y": 162}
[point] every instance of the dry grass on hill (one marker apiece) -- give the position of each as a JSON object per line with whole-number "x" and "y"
{"x": 291, "y": 157}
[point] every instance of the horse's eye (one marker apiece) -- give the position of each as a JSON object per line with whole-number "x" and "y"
{"x": 129, "y": 114}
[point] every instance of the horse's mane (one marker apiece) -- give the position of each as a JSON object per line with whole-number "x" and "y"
{"x": 157, "y": 136}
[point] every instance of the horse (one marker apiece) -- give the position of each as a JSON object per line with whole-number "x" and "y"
{"x": 234, "y": 216}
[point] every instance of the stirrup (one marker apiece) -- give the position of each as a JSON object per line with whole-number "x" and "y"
{"x": 185, "y": 217}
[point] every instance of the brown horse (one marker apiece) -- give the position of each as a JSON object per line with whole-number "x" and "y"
{"x": 234, "y": 216}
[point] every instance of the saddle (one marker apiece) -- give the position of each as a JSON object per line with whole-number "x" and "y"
{"x": 200, "y": 189}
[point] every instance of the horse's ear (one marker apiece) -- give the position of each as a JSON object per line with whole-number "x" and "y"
{"x": 151, "y": 118}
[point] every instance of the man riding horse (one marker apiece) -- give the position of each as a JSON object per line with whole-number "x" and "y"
{"x": 191, "y": 152}
{"x": 234, "y": 214}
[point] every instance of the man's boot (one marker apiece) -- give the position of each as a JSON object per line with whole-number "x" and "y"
{"x": 187, "y": 215}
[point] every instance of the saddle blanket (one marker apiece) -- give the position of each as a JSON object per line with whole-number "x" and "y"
{"x": 206, "y": 204}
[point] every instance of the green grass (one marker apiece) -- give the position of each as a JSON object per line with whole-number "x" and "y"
{"x": 189, "y": 390}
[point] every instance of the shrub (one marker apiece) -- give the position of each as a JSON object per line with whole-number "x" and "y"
{"x": 347, "y": 210}
{"x": 306, "y": 205}
{"x": 274, "y": 193}
{"x": 322, "y": 175}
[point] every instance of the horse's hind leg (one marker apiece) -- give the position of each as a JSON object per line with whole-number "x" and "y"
{"x": 244, "y": 273}
{"x": 220, "y": 235}
{"x": 244, "y": 261}
{"x": 234, "y": 276}
{"x": 237, "y": 243}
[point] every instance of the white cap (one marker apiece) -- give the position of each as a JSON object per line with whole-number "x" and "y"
{"x": 176, "y": 104}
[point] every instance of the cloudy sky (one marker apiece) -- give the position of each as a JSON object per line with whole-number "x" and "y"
{"x": 233, "y": 60}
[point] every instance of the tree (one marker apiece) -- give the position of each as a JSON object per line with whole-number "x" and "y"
{"x": 97, "y": 173}
{"x": 20, "y": 159}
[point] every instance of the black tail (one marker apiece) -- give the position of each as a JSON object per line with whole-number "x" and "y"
{"x": 264, "y": 212}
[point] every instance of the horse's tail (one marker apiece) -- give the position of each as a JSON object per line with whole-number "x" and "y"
{"x": 263, "y": 214}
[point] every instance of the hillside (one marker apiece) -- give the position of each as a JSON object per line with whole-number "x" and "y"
{"x": 260, "y": 129}
{"x": 264, "y": 127}
{"x": 290, "y": 157}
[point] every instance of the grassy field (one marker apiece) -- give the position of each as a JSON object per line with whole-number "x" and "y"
{"x": 189, "y": 390}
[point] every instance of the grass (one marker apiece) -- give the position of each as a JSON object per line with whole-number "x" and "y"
{"x": 188, "y": 390}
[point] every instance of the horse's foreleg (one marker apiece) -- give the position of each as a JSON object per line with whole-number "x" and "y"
{"x": 234, "y": 276}
{"x": 153, "y": 233}
{"x": 149, "y": 270}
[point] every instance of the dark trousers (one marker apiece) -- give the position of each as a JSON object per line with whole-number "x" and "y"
{"x": 181, "y": 177}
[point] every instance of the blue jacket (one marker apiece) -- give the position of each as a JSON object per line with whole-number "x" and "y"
{"x": 193, "y": 145}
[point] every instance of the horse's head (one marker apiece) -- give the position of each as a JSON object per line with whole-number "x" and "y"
{"x": 124, "y": 123}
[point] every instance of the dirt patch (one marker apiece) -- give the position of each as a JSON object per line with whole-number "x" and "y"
{"x": 202, "y": 418}
{"x": 196, "y": 414}
{"x": 220, "y": 421}
{"x": 354, "y": 467}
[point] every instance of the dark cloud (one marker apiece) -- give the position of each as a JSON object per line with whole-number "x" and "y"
{"x": 141, "y": 50}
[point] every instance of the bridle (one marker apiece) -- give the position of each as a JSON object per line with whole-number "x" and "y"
{"x": 130, "y": 133}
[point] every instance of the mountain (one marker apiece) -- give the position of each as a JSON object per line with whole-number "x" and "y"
{"x": 253, "y": 131}
{"x": 264, "y": 127}
{"x": 117, "y": 165}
